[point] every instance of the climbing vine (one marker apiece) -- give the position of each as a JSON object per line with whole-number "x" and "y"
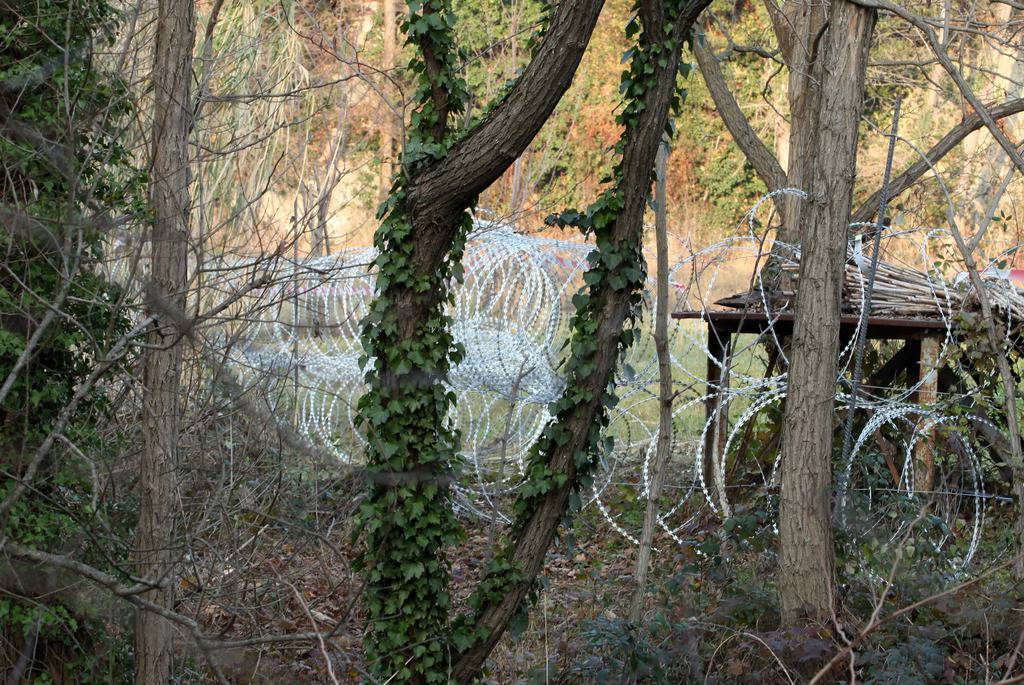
{"x": 66, "y": 174}
{"x": 616, "y": 269}
{"x": 407, "y": 517}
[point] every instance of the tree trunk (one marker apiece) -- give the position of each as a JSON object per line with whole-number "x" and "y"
{"x": 169, "y": 197}
{"x": 825, "y": 151}
{"x": 410, "y": 457}
{"x": 664, "y": 388}
{"x": 530, "y": 544}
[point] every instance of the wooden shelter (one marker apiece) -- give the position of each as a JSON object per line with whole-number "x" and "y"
{"x": 917, "y": 356}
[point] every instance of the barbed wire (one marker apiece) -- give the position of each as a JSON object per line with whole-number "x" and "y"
{"x": 299, "y": 336}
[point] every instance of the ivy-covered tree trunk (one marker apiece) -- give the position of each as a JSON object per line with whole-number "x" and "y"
{"x": 561, "y": 463}
{"x": 834, "y": 92}
{"x": 169, "y": 197}
{"x": 407, "y": 515}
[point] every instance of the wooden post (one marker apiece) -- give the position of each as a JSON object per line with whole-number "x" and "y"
{"x": 927, "y": 394}
{"x": 719, "y": 346}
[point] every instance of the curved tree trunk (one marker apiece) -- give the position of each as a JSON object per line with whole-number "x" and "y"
{"x": 440, "y": 193}
{"x": 531, "y": 544}
{"x": 768, "y": 168}
{"x": 411, "y": 456}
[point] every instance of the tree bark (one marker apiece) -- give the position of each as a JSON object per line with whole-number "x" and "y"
{"x": 756, "y": 152}
{"x": 664, "y": 387}
{"x": 388, "y": 125}
{"x": 804, "y": 29}
{"x": 531, "y": 544}
{"x": 828, "y": 118}
{"x": 169, "y": 197}
{"x": 478, "y": 160}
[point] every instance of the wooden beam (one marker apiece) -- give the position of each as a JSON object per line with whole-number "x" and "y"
{"x": 927, "y": 394}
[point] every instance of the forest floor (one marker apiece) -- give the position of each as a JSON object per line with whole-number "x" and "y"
{"x": 590, "y": 581}
{"x": 707, "y": 620}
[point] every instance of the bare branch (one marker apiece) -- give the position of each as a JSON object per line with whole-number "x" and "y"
{"x": 876, "y": 623}
{"x": 130, "y": 593}
{"x": 763, "y": 161}
{"x": 915, "y": 171}
{"x": 965, "y": 89}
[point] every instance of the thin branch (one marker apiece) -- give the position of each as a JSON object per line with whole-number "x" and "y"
{"x": 965, "y": 89}
{"x": 954, "y": 137}
{"x": 879, "y": 622}
{"x": 131, "y": 595}
{"x": 763, "y": 161}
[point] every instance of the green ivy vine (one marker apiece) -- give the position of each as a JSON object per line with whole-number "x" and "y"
{"x": 64, "y": 98}
{"x": 407, "y": 517}
{"x": 408, "y": 521}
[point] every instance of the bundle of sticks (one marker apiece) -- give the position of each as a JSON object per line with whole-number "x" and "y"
{"x": 903, "y": 292}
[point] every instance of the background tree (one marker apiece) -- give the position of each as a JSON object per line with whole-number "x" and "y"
{"x": 169, "y": 240}
{"x": 795, "y": 27}
{"x": 825, "y": 48}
